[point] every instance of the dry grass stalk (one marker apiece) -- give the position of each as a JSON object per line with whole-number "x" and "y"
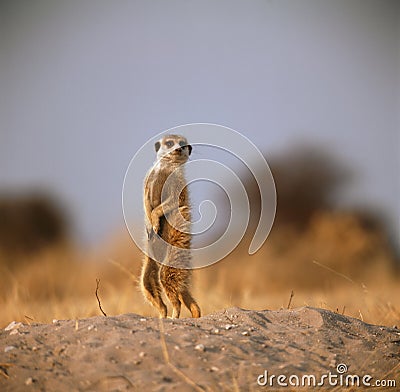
{"x": 178, "y": 372}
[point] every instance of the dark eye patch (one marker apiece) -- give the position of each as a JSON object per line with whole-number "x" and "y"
{"x": 182, "y": 143}
{"x": 169, "y": 143}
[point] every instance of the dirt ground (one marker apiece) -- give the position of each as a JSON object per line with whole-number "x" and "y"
{"x": 225, "y": 351}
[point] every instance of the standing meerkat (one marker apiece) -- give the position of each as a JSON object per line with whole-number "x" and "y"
{"x": 167, "y": 214}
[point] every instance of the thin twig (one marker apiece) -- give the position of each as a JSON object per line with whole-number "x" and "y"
{"x": 29, "y": 319}
{"x": 229, "y": 318}
{"x": 178, "y": 372}
{"x": 4, "y": 374}
{"x": 3, "y": 369}
{"x": 290, "y": 299}
{"x": 391, "y": 371}
{"x": 97, "y": 296}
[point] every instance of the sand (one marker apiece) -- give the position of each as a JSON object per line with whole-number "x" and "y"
{"x": 234, "y": 349}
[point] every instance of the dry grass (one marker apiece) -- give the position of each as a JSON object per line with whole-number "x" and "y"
{"x": 354, "y": 278}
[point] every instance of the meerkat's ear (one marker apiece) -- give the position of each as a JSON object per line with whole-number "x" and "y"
{"x": 190, "y": 148}
{"x": 157, "y": 146}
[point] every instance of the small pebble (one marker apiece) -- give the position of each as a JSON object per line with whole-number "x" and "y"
{"x": 216, "y": 330}
{"x": 29, "y": 381}
{"x": 55, "y": 321}
{"x": 14, "y": 332}
{"x": 143, "y": 319}
{"x": 142, "y": 354}
{"x": 9, "y": 348}
{"x": 245, "y": 333}
{"x": 90, "y": 327}
{"x": 177, "y": 348}
{"x": 214, "y": 369}
{"x": 200, "y": 347}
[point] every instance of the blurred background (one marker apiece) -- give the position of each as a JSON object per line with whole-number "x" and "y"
{"x": 315, "y": 85}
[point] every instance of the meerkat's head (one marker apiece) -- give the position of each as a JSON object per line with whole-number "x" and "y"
{"x": 173, "y": 149}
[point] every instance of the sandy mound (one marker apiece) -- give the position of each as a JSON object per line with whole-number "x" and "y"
{"x": 223, "y": 351}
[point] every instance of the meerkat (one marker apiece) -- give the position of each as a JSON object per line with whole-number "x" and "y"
{"x": 167, "y": 215}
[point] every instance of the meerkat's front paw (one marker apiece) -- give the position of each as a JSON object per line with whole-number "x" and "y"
{"x": 156, "y": 227}
{"x": 155, "y": 222}
{"x": 184, "y": 210}
{"x": 149, "y": 229}
{"x": 149, "y": 232}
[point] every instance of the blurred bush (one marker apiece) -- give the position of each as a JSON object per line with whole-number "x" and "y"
{"x": 313, "y": 244}
{"x": 30, "y": 223}
{"x": 307, "y": 180}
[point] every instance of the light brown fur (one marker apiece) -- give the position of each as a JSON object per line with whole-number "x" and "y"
{"x": 174, "y": 276}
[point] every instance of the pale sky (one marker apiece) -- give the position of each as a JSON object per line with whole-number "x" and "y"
{"x": 83, "y": 85}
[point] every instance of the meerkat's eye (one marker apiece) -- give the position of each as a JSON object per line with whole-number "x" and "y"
{"x": 169, "y": 143}
{"x": 182, "y": 143}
